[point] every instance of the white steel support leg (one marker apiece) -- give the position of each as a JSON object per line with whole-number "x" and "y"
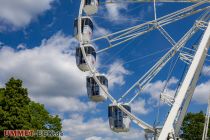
{"x": 206, "y": 124}
{"x": 187, "y": 100}
{"x": 194, "y": 68}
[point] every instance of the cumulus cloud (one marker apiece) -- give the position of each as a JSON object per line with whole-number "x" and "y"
{"x": 21, "y": 46}
{"x": 66, "y": 104}
{"x": 116, "y": 74}
{"x": 202, "y": 90}
{"x": 172, "y": 81}
{"x": 139, "y": 107}
{"x": 19, "y": 13}
{"x": 155, "y": 88}
{"x": 50, "y": 73}
{"x": 206, "y": 70}
{"x": 114, "y": 11}
{"x": 201, "y": 93}
{"x": 47, "y": 70}
{"x": 99, "y": 31}
{"x": 94, "y": 138}
{"x": 95, "y": 129}
{"x": 200, "y": 96}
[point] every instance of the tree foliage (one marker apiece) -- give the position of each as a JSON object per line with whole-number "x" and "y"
{"x": 192, "y": 127}
{"x": 18, "y": 112}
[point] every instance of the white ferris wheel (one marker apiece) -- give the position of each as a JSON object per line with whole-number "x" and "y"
{"x": 119, "y": 111}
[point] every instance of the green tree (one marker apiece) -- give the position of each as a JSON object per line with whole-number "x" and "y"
{"x": 192, "y": 127}
{"x": 41, "y": 119}
{"x": 18, "y": 112}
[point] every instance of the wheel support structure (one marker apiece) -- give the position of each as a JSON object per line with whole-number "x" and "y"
{"x": 191, "y": 78}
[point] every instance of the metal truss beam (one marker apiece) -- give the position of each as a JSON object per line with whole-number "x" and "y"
{"x": 145, "y": 79}
{"x": 190, "y": 80}
{"x": 125, "y": 35}
{"x": 206, "y": 124}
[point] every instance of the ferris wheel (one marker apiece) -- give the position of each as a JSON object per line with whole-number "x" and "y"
{"x": 119, "y": 111}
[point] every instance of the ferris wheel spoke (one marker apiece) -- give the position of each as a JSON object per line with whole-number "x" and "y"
{"x": 136, "y": 31}
{"x": 166, "y": 35}
{"x": 145, "y": 79}
{"x": 113, "y": 45}
{"x": 165, "y": 19}
{"x": 117, "y": 33}
{"x": 132, "y": 31}
{"x": 171, "y": 20}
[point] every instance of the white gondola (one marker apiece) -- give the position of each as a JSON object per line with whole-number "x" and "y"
{"x": 118, "y": 120}
{"x": 94, "y": 91}
{"x": 86, "y": 29}
{"x": 90, "y": 54}
{"x": 91, "y": 6}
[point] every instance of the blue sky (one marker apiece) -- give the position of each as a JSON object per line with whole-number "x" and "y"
{"x": 37, "y": 46}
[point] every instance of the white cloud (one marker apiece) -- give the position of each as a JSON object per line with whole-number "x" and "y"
{"x": 147, "y": 10}
{"x": 94, "y": 138}
{"x": 66, "y": 104}
{"x": 116, "y": 74}
{"x": 139, "y": 107}
{"x": 156, "y": 88}
{"x": 19, "y": 13}
{"x": 206, "y": 70}
{"x": 50, "y": 73}
{"x": 120, "y": 13}
{"x": 99, "y": 31}
{"x": 21, "y": 46}
{"x": 95, "y": 129}
{"x": 77, "y": 127}
{"x": 172, "y": 81}
{"x": 114, "y": 11}
{"x": 201, "y": 93}
{"x": 202, "y": 90}
{"x": 200, "y": 96}
{"x": 47, "y": 70}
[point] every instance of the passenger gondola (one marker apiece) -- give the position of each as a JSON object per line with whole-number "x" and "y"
{"x": 86, "y": 29}
{"x": 94, "y": 91}
{"x": 118, "y": 120}
{"x": 90, "y": 54}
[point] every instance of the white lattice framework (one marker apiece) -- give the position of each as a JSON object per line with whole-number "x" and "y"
{"x": 180, "y": 103}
